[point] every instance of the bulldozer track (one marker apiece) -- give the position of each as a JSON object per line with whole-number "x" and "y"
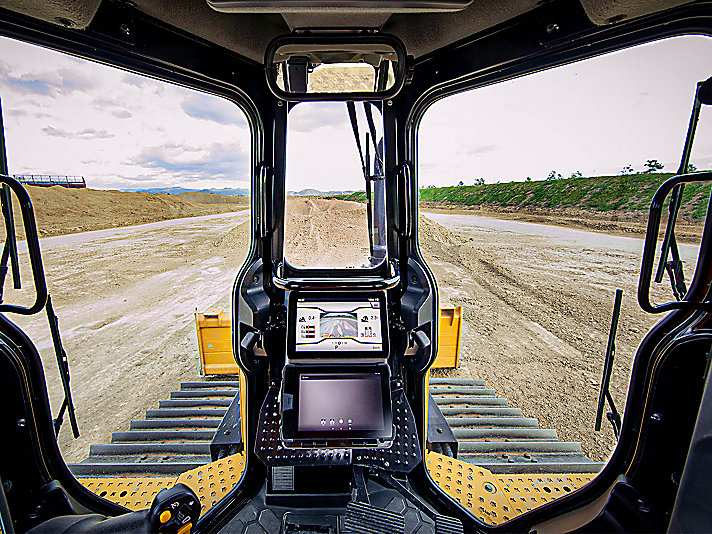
{"x": 176, "y": 437}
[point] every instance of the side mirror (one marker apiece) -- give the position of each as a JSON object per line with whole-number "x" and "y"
{"x": 692, "y": 299}
{"x": 335, "y": 67}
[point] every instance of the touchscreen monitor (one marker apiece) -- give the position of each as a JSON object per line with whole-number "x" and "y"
{"x": 348, "y": 404}
{"x": 343, "y": 402}
{"x": 336, "y": 326}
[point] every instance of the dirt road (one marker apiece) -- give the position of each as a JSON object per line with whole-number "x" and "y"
{"x": 537, "y": 308}
{"x": 61, "y": 211}
{"x": 125, "y": 300}
{"x": 537, "y": 302}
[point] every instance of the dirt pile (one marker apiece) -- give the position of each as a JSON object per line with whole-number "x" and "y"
{"x": 326, "y": 233}
{"x": 60, "y": 211}
{"x": 213, "y": 198}
{"x": 237, "y": 239}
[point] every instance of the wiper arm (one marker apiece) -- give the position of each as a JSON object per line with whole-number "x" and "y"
{"x": 9, "y": 250}
{"x": 605, "y": 395}
{"x": 351, "y": 107}
{"x": 378, "y": 167}
{"x": 63, "y": 364}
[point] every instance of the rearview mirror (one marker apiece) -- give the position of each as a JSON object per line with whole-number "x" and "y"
{"x": 335, "y": 67}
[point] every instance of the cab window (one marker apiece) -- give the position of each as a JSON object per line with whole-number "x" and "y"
{"x": 140, "y": 190}
{"x": 533, "y": 204}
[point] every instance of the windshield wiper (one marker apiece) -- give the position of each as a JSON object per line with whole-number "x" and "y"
{"x": 63, "y": 364}
{"x": 605, "y": 395}
{"x": 703, "y": 96}
{"x": 9, "y": 250}
{"x": 370, "y": 177}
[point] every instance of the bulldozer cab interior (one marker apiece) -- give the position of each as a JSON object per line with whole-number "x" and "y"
{"x": 330, "y": 415}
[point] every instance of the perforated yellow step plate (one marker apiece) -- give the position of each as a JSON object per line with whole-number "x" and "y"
{"x": 210, "y": 482}
{"x": 496, "y": 498}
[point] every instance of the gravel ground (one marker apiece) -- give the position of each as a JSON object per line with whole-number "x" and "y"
{"x": 537, "y": 307}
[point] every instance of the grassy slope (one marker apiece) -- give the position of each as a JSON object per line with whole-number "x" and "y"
{"x": 629, "y": 193}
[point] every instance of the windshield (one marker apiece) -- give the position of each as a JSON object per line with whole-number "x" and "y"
{"x": 335, "y": 211}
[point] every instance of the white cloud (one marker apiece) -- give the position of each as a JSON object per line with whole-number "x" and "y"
{"x": 119, "y": 130}
{"x": 65, "y": 115}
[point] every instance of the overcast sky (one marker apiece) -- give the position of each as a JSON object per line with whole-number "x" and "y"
{"x": 119, "y": 130}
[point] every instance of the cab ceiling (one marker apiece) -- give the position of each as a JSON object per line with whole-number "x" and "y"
{"x": 248, "y": 33}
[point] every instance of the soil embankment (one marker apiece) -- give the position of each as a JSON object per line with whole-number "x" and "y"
{"x": 60, "y": 211}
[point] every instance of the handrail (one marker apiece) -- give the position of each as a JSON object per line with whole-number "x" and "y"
{"x": 651, "y": 242}
{"x": 33, "y": 249}
{"x": 356, "y": 282}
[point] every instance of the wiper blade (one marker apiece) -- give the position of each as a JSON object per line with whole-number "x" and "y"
{"x": 63, "y": 364}
{"x": 605, "y": 395}
{"x": 9, "y": 250}
{"x": 351, "y": 107}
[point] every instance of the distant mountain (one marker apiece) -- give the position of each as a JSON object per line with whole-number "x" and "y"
{"x": 316, "y": 193}
{"x": 238, "y": 192}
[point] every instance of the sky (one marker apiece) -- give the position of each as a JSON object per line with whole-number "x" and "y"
{"x": 594, "y": 116}
{"x": 69, "y": 116}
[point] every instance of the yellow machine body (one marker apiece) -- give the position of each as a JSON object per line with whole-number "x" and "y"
{"x": 215, "y": 343}
{"x": 214, "y": 330}
{"x": 449, "y": 337}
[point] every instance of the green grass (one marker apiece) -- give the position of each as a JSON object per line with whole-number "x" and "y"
{"x": 627, "y": 193}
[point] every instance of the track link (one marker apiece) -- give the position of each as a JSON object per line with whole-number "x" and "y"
{"x": 176, "y": 437}
{"x": 170, "y": 440}
{"x": 492, "y": 435}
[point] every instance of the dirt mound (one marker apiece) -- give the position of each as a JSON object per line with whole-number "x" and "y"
{"x": 238, "y": 238}
{"x": 326, "y": 233}
{"x": 60, "y": 211}
{"x": 213, "y": 198}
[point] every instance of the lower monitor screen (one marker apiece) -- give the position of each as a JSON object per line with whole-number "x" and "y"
{"x": 340, "y": 402}
{"x": 338, "y": 325}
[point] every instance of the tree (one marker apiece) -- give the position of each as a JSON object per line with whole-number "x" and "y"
{"x": 528, "y": 179}
{"x": 553, "y": 175}
{"x": 460, "y": 183}
{"x": 691, "y": 167}
{"x": 576, "y": 174}
{"x": 479, "y": 181}
{"x": 628, "y": 169}
{"x": 653, "y": 165}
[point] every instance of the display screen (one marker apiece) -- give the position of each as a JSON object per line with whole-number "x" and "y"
{"x": 338, "y": 326}
{"x": 340, "y": 402}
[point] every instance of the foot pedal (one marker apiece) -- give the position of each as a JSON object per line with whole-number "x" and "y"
{"x": 448, "y": 525}
{"x": 362, "y": 518}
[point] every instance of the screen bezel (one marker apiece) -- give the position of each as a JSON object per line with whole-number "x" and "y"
{"x": 292, "y": 353}
{"x": 290, "y": 390}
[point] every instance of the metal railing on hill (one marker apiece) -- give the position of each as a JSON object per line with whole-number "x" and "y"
{"x": 47, "y": 180}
